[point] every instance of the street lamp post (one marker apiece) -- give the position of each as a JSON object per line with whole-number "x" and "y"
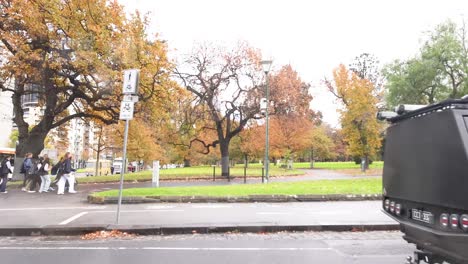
{"x": 266, "y": 68}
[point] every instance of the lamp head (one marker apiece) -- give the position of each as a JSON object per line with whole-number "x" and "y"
{"x": 266, "y": 65}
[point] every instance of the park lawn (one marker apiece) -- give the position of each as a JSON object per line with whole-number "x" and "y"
{"x": 187, "y": 173}
{"x": 352, "y": 186}
{"x": 340, "y": 165}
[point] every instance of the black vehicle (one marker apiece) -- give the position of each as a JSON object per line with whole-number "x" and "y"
{"x": 425, "y": 179}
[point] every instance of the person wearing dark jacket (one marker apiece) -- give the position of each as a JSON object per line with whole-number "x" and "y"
{"x": 67, "y": 175}
{"x": 44, "y": 174}
{"x": 26, "y": 168}
{"x": 5, "y": 169}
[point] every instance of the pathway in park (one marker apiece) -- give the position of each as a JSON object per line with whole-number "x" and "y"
{"x": 310, "y": 175}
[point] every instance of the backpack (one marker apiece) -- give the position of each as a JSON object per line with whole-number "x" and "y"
{"x": 23, "y": 169}
{"x": 55, "y": 169}
{"x": 4, "y": 168}
{"x": 33, "y": 169}
{"x": 41, "y": 169}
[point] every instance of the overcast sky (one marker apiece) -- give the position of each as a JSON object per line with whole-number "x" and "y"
{"x": 313, "y": 36}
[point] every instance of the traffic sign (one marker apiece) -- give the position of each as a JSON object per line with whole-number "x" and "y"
{"x": 130, "y": 98}
{"x": 130, "y": 82}
{"x": 126, "y": 110}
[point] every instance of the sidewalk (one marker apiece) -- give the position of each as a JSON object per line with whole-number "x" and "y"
{"x": 173, "y": 218}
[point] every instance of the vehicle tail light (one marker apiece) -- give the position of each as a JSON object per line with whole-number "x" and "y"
{"x": 444, "y": 220}
{"x": 387, "y": 204}
{"x": 454, "y": 220}
{"x": 392, "y": 206}
{"x": 464, "y": 222}
{"x": 398, "y": 209}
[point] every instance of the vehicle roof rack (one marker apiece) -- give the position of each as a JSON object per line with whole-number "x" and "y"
{"x": 444, "y": 105}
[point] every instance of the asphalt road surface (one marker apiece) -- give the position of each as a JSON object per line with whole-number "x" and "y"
{"x": 290, "y": 248}
{"x": 198, "y": 214}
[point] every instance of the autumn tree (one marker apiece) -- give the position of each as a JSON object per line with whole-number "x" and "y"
{"x": 186, "y": 122}
{"x": 225, "y": 86}
{"x": 320, "y": 144}
{"x": 71, "y": 54}
{"x": 253, "y": 142}
{"x": 367, "y": 66}
{"x": 338, "y": 139}
{"x": 438, "y": 72}
{"x": 358, "y": 118}
{"x": 59, "y": 138}
{"x": 292, "y": 118}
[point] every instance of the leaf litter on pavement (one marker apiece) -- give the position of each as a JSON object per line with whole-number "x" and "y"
{"x": 107, "y": 235}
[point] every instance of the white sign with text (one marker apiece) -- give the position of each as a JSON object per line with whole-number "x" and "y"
{"x": 130, "y": 81}
{"x": 126, "y": 110}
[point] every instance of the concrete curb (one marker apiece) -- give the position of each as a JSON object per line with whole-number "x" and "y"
{"x": 238, "y": 199}
{"x": 168, "y": 230}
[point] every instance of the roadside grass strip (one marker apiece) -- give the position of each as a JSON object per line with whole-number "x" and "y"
{"x": 325, "y": 187}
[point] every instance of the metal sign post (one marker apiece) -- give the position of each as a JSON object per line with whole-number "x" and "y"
{"x": 155, "y": 179}
{"x": 130, "y": 89}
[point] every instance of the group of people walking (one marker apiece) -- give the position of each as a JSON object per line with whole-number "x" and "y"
{"x": 37, "y": 174}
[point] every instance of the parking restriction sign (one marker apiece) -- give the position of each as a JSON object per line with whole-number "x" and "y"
{"x": 130, "y": 81}
{"x": 126, "y": 110}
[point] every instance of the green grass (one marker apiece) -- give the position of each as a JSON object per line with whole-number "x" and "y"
{"x": 192, "y": 172}
{"x": 354, "y": 186}
{"x": 337, "y": 165}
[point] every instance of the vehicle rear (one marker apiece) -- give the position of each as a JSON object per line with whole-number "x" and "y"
{"x": 425, "y": 179}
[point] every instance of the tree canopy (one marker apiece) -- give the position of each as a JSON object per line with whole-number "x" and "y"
{"x": 361, "y": 129}
{"x": 71, "y": 54}
{"x": 438, "y": 72}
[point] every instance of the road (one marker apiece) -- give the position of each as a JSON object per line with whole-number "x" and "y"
{"x": 291, "y": 248}
{"x": 195, "y": 215}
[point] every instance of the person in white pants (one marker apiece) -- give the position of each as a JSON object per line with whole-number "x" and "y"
{"x": 44, "y": 172}
{"x": 68, "y": 175}
{"x": 63, "y": 180}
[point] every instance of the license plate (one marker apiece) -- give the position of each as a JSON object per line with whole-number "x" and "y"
{"x": 422, "y": 216}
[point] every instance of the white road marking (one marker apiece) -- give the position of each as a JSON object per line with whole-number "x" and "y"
{"x": 273, "y": 213}
{"x": 155, "y": 207}
{"x": 166, "y": 248}
{"x": 212, "y": 206}
{"x": 139, "y": 211}
{"x": 54, "y": 208}
{"x": 73, "y": 218}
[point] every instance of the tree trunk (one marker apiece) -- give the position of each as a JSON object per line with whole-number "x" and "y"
{"x": 96, "y": 171}
{"x": 33, "y": 143}
{"x": 312, "y": 158}
{"x": 187, "y": 163}
{"x": 224, "y": 158}
{"x": 98, "y": 153}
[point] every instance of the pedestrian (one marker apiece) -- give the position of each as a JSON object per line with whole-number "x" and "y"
{"x": 57, "y": 170}
{"x": 5, "y": 169}
{"x": 44, "y": 174}
{"x": 35, "y": 178}
{"x": 66, "y": 176}
{"x": 25, "y": 168}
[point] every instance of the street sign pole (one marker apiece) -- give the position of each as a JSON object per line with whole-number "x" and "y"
{"x": 130, "y": 91}
{"x": 124, "y": 167}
